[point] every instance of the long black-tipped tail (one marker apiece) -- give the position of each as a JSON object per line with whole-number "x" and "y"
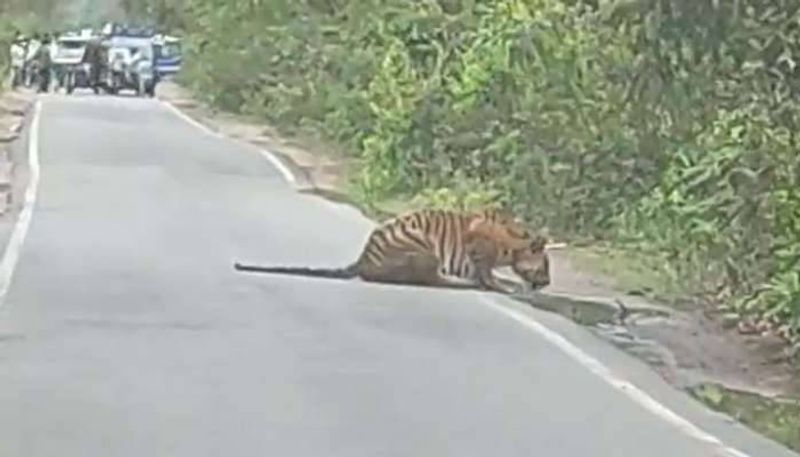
{"x": 348, "y": 272}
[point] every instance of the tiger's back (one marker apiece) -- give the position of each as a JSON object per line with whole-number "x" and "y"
{"x": 443, "y": 234}
{"x": 436, "y": 232}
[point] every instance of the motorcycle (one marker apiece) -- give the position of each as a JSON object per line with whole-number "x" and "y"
{"x": 137, "y": 74}
{"x": 80, "y": 76}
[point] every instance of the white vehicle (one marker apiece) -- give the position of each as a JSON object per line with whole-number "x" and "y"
{"x": 69, "y": 49}
{"x": 67, "y": 53}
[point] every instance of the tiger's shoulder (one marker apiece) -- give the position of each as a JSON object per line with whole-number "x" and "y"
{"x": 505, "y": 229}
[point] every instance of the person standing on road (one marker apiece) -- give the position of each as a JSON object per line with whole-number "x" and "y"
{"x": 17, "y": 52}
{"x": 44, "y": 65}
{"x": 31, "y": 71}
{"x": 55, "y": 71}
{"x": 93, "y": 56}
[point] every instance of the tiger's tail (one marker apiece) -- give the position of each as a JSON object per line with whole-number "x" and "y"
{"x": 348, "y": 272}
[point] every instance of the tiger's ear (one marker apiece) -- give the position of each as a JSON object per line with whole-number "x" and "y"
{"x": 538, "y": 243}
{"x": 541, "y": 240}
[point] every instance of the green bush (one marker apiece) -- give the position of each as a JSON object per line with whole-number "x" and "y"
{"x": 669, "y": 125}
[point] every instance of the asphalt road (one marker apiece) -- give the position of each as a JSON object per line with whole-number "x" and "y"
{"x": 126, "y": 331}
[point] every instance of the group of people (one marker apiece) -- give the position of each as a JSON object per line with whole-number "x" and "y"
{"x": 38, "y": 62}
{"x": 31, "y": 61}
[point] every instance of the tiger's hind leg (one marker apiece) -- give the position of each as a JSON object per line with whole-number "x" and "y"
{"x": 424, "y": 271}
{"x": 413, "y": 268}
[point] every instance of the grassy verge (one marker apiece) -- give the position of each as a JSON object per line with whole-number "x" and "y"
{"x": 776, "y": 418}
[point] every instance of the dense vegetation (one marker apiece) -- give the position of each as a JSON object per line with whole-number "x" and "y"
{"x": 665, "y": 126}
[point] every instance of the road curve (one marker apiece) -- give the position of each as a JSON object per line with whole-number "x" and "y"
{"x": 126, "y": 332}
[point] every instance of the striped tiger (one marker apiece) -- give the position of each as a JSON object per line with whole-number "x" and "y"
{"x": 441, "y": 249}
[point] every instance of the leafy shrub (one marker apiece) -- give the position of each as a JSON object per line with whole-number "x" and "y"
{"x": 670, "y": 125}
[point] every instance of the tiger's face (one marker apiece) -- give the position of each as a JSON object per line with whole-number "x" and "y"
{"x": 520, "y": 248}
{"x": 532, "y": 264}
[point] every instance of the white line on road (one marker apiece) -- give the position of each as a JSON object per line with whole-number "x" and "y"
{"x": 14, "y": 246}
{"x": 587, "y": 361}
{"x": 276, "y": 162}
{"x": 625, "y": 387}
{"x": 189, "y": 119}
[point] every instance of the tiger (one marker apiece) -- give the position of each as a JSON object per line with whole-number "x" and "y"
{"x": 441, "y": 248}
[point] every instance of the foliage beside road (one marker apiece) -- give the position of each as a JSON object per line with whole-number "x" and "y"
{"x": 666, "y": 127}
{"x": 24, "y": 16}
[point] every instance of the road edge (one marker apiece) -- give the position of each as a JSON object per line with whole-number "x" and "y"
{"x": 619, "y": 383}
{"x": 553, "y": 337}
{"x": 15, "y": 242}
{"x": 270, "y": 156}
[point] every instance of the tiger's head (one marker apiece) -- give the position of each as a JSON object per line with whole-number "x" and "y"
{"x": 532, "y": 264}
{"x": 518, "y": 247}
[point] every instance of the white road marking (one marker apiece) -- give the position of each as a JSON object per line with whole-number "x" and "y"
{"x": 11, "y": 255}
{"x": 587, "y": 361}
{"x": 276, "y": 162}
{"x": 625, "y": 387}
{"x": 190, "y": 119}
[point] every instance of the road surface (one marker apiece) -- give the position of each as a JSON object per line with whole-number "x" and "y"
{"x": 126, "y": 332}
